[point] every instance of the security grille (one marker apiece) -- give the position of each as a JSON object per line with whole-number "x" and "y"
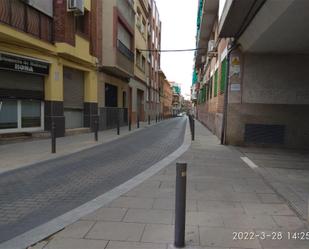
{"x": 264, "y": 134}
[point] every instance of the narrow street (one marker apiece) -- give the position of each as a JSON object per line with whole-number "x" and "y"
{"x": 36, "y": 194}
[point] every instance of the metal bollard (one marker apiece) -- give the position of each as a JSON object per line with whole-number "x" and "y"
{"x": 129, "y": 124}
{"x": 193, "y": 129}
{"x": 156, "y": 119}
{"x": 180, "y": 204}
{"x": 118, "y": 127}
{"x": 149, "y": 119}
{"x": 137, "y": 123}
{"x": 53, "y": 138}
{"x": 96, "y": 128}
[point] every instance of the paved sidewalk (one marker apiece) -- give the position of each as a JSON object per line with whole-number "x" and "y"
{"x": 224, "y": 196}
{"x": 17, "y": 155}
{"x": 287, "y": 171}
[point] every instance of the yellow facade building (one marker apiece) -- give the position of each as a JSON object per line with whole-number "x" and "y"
{"x": 47, "y": 67}
{"x": 138, "y": 83}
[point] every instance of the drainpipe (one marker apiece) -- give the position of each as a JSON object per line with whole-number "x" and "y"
{"x": 233, "y": 46}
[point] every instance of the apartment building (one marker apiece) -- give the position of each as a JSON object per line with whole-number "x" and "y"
{"x": 166, "y": 96}
{"x": 177, "y": 98}
{"x": 251, "y": 78}
{"x": 154, "y": 60}
{"x": 210, "y": 68}
{"x": 48, "y": 56}
{"x": 117, "y": 67}
{"x": 138, "y": 83}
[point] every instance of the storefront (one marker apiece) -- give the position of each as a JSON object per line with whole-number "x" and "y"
{"x": 73, "y": 89}
{"x": 21, "y": 93}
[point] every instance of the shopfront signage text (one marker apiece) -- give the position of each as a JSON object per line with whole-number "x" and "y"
{"x": 21, "y": 64}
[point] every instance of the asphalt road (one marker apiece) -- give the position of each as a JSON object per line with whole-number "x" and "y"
{"x": 34, "y": 195}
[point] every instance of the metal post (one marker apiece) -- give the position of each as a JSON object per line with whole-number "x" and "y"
{"x": 149, "y": 119}
{"x": 118, "y": 126}
{"x": 156, "y": 118}
{"x": 180, "y": 204}
{"x": 193, "y": 129}
{"x": 130, "y": 123}
{"x": 96, "y": 128}
{"x": 137, "y": 121}
{"x": 53, "y": 137}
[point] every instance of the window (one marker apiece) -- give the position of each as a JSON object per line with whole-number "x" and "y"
{"x": 216, "y": 84}
{"x": 8, "y": 114}
{"x": 223, "y": 75}
{"x": 124, "y": 42}
{"x": 30, "y": 113}
{"x": 81, "y": 23}
{"x": 210, "y": 88}
{"x": 143, "y": 27}
{"x": 138, "y": 58}
{"x": 138, "y": 19}
{"x": 143, "y": 63}
{"x": 124, "y": 36}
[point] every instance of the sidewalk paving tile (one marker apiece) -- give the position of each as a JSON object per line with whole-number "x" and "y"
{"x": 77, "y": 230}
{"x": 169, "y": 204}
{"x": 116, "y": 231}
{"x": 171, "y": 246}
{"x": 289, "y": 223}
{"x": 155, "y": 233}
{"x": 271, "y": 198}
{"x": 69, "y": 243}
{"x": 152, "y": 216}
{"x": 107, "y": 214}
{"x": 268, "y": 209}
{"x": 132, "y": 202}
{"x": 249, "y": 221}
{"x": 134, "y": 245}
{"x": 221, "y": 207}
{"x": 204, "y": 219}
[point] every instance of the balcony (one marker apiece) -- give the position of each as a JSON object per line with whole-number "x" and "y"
{"x": 125, "y": 51}
{"x": 125, "y": 59}
{"x": 25, "y": 18}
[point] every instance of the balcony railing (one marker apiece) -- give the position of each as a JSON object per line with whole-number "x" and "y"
{"x": 110, "y": 115}
{"x": 23, "y": 17}
{"x": 125, "y": 51}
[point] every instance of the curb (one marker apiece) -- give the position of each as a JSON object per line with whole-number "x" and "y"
{"x": 43, "y": 231}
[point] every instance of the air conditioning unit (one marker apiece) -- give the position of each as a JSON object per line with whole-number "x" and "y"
{"x": 211, "y": 46}
{"x": 76, "y": 6}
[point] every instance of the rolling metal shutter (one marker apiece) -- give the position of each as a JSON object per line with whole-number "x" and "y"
{"x": 21, "y": 85}
{"x": 73, "y": 81}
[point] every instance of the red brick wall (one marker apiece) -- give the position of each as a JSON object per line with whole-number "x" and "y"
{"x": 96, "y": 29}
{"x": 64, "y": 23}
{"x": 64, "y": 26}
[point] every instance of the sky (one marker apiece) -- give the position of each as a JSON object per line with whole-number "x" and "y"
{"x": 178, "y": 19}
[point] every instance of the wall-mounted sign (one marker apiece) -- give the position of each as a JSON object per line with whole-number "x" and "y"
{"x": 235, "y": 66}
{"x": 235, "y": 87}
{"x": 22, "y": 64}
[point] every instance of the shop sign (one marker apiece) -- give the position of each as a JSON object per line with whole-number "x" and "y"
{"x": 22, "y": 64}
{"x": 235, "y": 87}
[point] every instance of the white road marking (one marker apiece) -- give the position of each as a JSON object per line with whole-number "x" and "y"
{"x": 251, "y": 164}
